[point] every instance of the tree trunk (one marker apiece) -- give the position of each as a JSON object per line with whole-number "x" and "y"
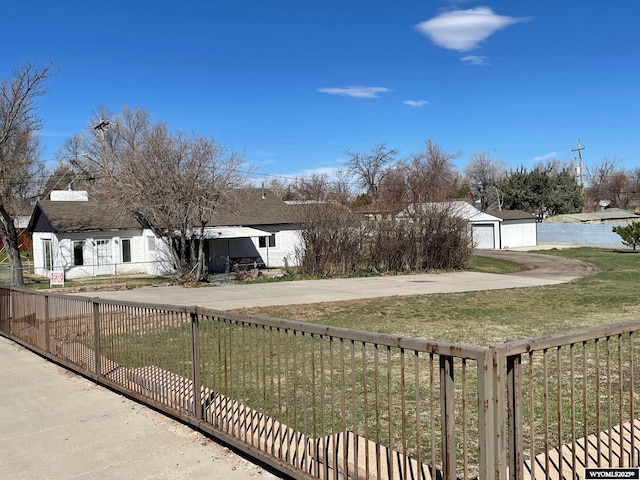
{"x": 10, "y": 239}
{"x": 201, "y": 274}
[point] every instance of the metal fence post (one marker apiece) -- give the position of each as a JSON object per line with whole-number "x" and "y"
{"x": 514, "y": 412}
{"x": 447, "y": 397}
{"x": 47, "y": 334}
{"x": 195, "y": 361}
{"x": 12, "y": 313}
{"x": 96, "y": 337}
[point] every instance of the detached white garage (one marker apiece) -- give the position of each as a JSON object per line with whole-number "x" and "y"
{"x": 495, "y": 229}
{"x": 485, "y": 228}
{"x": 517, "y": 228}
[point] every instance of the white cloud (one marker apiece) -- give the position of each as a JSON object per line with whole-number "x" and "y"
{"x": 475, "y": 60}
{"x": 355, "y": 91}
{"x": 546, "y": 156}
{"x": 463, "y": 30}
{"x": 416, "y": 103}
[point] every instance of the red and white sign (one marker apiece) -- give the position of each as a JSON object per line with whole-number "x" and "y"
{"x": 56, "y": 278}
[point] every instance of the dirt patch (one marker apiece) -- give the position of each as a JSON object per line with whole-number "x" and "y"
{"x": 544, "y": 266}
{"x": 107, "y": 287}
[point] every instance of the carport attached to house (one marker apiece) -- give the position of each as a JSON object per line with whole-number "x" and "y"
{"x": 235, "y": 244}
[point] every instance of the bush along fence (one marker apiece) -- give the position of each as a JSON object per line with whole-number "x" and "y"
{"x": 331, "y": 403}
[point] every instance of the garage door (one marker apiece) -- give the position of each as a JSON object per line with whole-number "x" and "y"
{"x": 483, "y": 236}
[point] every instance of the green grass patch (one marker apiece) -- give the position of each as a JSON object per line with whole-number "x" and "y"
{"x": 493, "y": 265}
{"x": 486, "y": 317}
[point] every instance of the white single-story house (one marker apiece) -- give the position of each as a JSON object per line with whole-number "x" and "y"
{"x": 493, "y": 230}
{"x": 82, "y": 238}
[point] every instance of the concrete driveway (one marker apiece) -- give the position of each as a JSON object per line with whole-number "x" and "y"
{"x": 539, "y": 270}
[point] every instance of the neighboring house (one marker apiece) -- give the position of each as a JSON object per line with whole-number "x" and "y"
{"x": 21, "y": 221}
{"x": 593, "y": 229}
{"x": 608, "y": 216}
{"x": 517, "y": 228}
{"x": 85, "y": 238}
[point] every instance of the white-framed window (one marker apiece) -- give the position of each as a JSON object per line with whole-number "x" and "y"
{"x": 126, "y": 250}
{"x": 151, "y": 244}
{"x": 262, "y": 241}
{"x": 47, "y": 253}
{"x": 103, "y": 252}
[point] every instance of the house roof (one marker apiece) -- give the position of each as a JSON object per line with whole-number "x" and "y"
{"x": 248, "y": 207}
{"x": 458, "y": 208}
{"x": 78, "y": 216}
{"x": 253, "y": 206}
{"x": 594, "y": 217}
{"x": 511, "y": 214}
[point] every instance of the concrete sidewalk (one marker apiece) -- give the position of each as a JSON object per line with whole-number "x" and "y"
{"x": 55, "y": 424}
{"x": 232, "y": 296}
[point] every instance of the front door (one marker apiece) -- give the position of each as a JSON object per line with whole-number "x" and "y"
{"x": 104, "y": 257}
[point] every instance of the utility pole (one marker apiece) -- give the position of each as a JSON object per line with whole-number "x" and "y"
{"x": 579, "y": 150}
{"x": 101, "y": 126}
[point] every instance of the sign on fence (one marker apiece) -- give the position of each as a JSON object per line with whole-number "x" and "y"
{"x": 56, "y": 278}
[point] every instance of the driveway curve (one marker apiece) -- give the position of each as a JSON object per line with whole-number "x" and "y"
{"x": 544, "y": 266}
{"x": 539, "y": 270}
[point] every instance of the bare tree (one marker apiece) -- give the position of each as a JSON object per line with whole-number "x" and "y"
{"x": 430, "y": 175}
{"x": 313, "y": 187}
{"x": 483, "y": 175}
{"x": 19, "y": 162}
{"x": 608, "y": 182}
{"x": 171, "y": 182}
{"x": 392, "y": 193}
{"x": 369, "y": 167}
{"x": 276, "y": 186}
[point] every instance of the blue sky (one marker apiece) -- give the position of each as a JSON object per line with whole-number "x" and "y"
{"x": 295, "y": 84}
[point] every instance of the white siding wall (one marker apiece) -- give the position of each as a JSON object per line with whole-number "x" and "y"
{"x": 284, "y": 251}
{"x": 143, "y": 259}
{"x": 516, "y": 233}
{"x": 149, "y": 254}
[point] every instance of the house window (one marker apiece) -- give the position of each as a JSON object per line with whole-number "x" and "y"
{"x": 151, "y": 244}
{"x": 78, "y": 258}
{"x": 262, "y": 241}
{"x": 126, "y": 250}
{"x": 103, "y": 253}
{"x": 48, "y": 254}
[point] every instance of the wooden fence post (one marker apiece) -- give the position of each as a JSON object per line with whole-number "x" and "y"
{"x": 486, "y": 420}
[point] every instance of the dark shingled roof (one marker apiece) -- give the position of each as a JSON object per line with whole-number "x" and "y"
{"x": 511, "y": 214}
{"x": 251, "y": 207}
{"x": 78, "y": 217}
{"x": 243, "y": 208}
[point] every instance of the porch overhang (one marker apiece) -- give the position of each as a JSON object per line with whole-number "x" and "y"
{"x": 213, "y": 233}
